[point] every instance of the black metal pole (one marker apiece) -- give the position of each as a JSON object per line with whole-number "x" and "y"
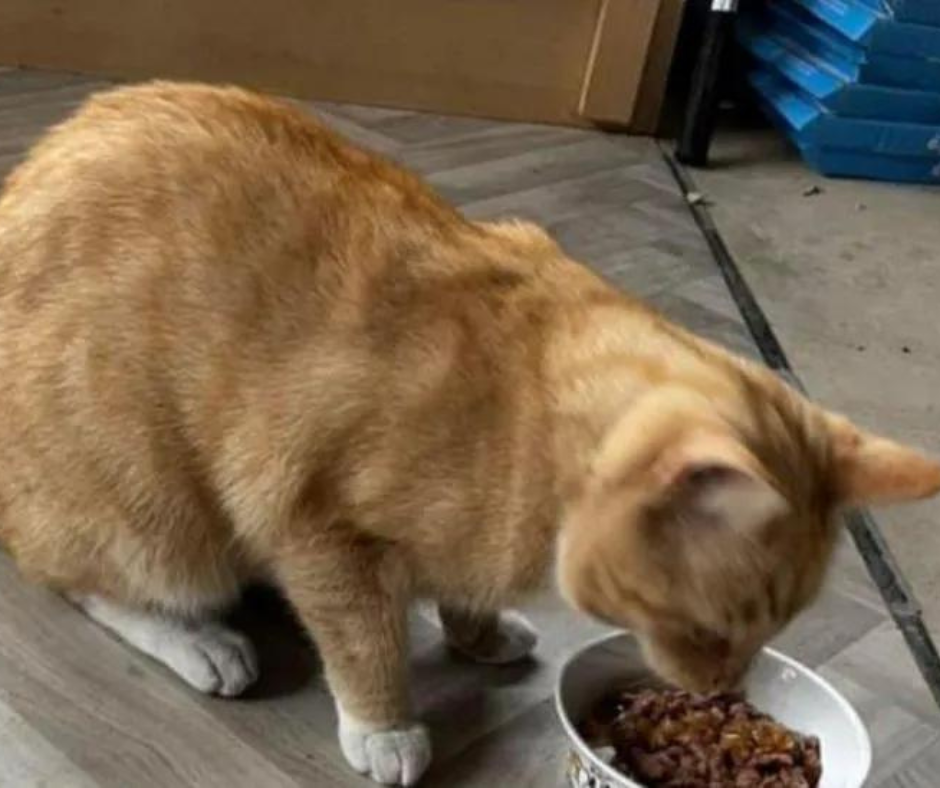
{"x": 702, "y": 108}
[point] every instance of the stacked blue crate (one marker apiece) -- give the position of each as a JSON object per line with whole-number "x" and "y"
{"x": 854, "y": 83}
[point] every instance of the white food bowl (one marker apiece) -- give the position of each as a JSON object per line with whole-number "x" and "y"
{"x": 777, "y": 685}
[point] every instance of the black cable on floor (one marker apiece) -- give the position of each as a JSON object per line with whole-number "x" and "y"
{"x": 869, "y": 540}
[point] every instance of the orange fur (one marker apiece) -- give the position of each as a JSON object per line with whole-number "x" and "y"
{"x": 233, "y": 346}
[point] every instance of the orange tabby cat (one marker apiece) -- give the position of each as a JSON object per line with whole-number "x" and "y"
{"x": 235, "y": 347}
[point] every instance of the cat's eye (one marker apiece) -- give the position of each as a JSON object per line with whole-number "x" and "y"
{"x": 707, "y": 474}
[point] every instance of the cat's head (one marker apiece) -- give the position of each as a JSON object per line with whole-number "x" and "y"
{"x": 706, "y": 528}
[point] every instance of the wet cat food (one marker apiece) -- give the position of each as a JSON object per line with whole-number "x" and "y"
{"x": 674, "y": 739}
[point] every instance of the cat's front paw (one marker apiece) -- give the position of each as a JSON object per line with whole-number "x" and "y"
{"x": 211, "y": 658}
{"x": 510, "y": 637}
{"x": 398, "y": 756}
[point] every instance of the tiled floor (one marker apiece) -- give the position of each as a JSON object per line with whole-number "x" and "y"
{"x": 79, "y": 709}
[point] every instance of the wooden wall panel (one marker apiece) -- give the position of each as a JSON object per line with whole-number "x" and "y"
{"x": 513, "y": 59}
{"x": 617, "y": 59}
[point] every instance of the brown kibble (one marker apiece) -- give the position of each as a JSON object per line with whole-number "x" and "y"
{"x": 747, "y": 778}
{"x": 672, "y": 739}
{"x": 652, "y": 766}
{"x": 774, "y": 760}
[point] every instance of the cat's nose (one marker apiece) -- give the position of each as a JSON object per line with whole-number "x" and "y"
{"x": 731, "y": 677}
{"x": 722, "y": 684}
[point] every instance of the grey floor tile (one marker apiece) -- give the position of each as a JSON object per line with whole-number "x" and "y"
{"x": 417, "y": 128}
{"x": 366, "y": 116}
{"x": 561, "y": 630}
{"x": 358, "y": 133}
{"x": 28, "y": 759}
{"x": 704, "y": 321}
{"x": 491, "y": 144}
{"x": 575, "y": 197}
{"x": 15, "y": 81}
{"x": 529, "y": 752}
{"x": 880, "y": 660}
{"x": 898, "y": 737}
{"x": 831, "y": 625}
{"x": 652, "y": 171}
{"x": 464, "y": 701}
{"x": 850, "y": 574}
{"x": 8, "y": 161}
{"x": 531, "y": 168}
{"x": 47, "y": 103}
{"x": 922, "y": 770}
{"x": 711, "y": 293}
{"x": 648, "y": 271}
{"x": 604, "y": 237}
{"x": 668, "y": 210}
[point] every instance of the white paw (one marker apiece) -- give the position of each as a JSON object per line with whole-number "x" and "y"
{"x": 390, "y": 757}
{"x": 211, "y": 658}
{"x": 513, "y": 640}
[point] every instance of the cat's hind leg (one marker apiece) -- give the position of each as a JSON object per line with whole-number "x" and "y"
{"x": 488, "y": 638}
{"x": 205, "y": 654}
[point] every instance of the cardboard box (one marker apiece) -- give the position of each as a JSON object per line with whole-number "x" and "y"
{"x": 559, "y": 61}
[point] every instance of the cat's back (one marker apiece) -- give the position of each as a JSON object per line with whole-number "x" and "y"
{"x": 189, "y": 196}
{"x": 154, "y": 128}
{"x": 165, "y": 254}
{"x": 141, "y": 153}
{"x": 144, "y": 135}
{"x": 170, "y": 242}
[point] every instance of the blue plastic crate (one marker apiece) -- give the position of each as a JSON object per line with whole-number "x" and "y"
{"x": 924, "y": 12}
{"x": 849, "y": 147}
{"x": 879, "y": 27}
{"x": 841, "y": 163}
{"x": 834, "y": 88}
{"x": 851, "y": 59}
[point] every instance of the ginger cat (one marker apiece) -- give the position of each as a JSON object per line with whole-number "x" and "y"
{"x": 235, "y": 347}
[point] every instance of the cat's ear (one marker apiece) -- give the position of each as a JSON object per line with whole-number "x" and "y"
{"x": 869, "y": 469}
{"x": 712, "y": 479}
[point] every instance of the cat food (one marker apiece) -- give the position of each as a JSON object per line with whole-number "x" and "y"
{"x": 674, "y": 739}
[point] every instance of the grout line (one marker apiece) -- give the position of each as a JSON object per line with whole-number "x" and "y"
{"x": 869, "y": 540}
{"x": 562, "y": 146}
